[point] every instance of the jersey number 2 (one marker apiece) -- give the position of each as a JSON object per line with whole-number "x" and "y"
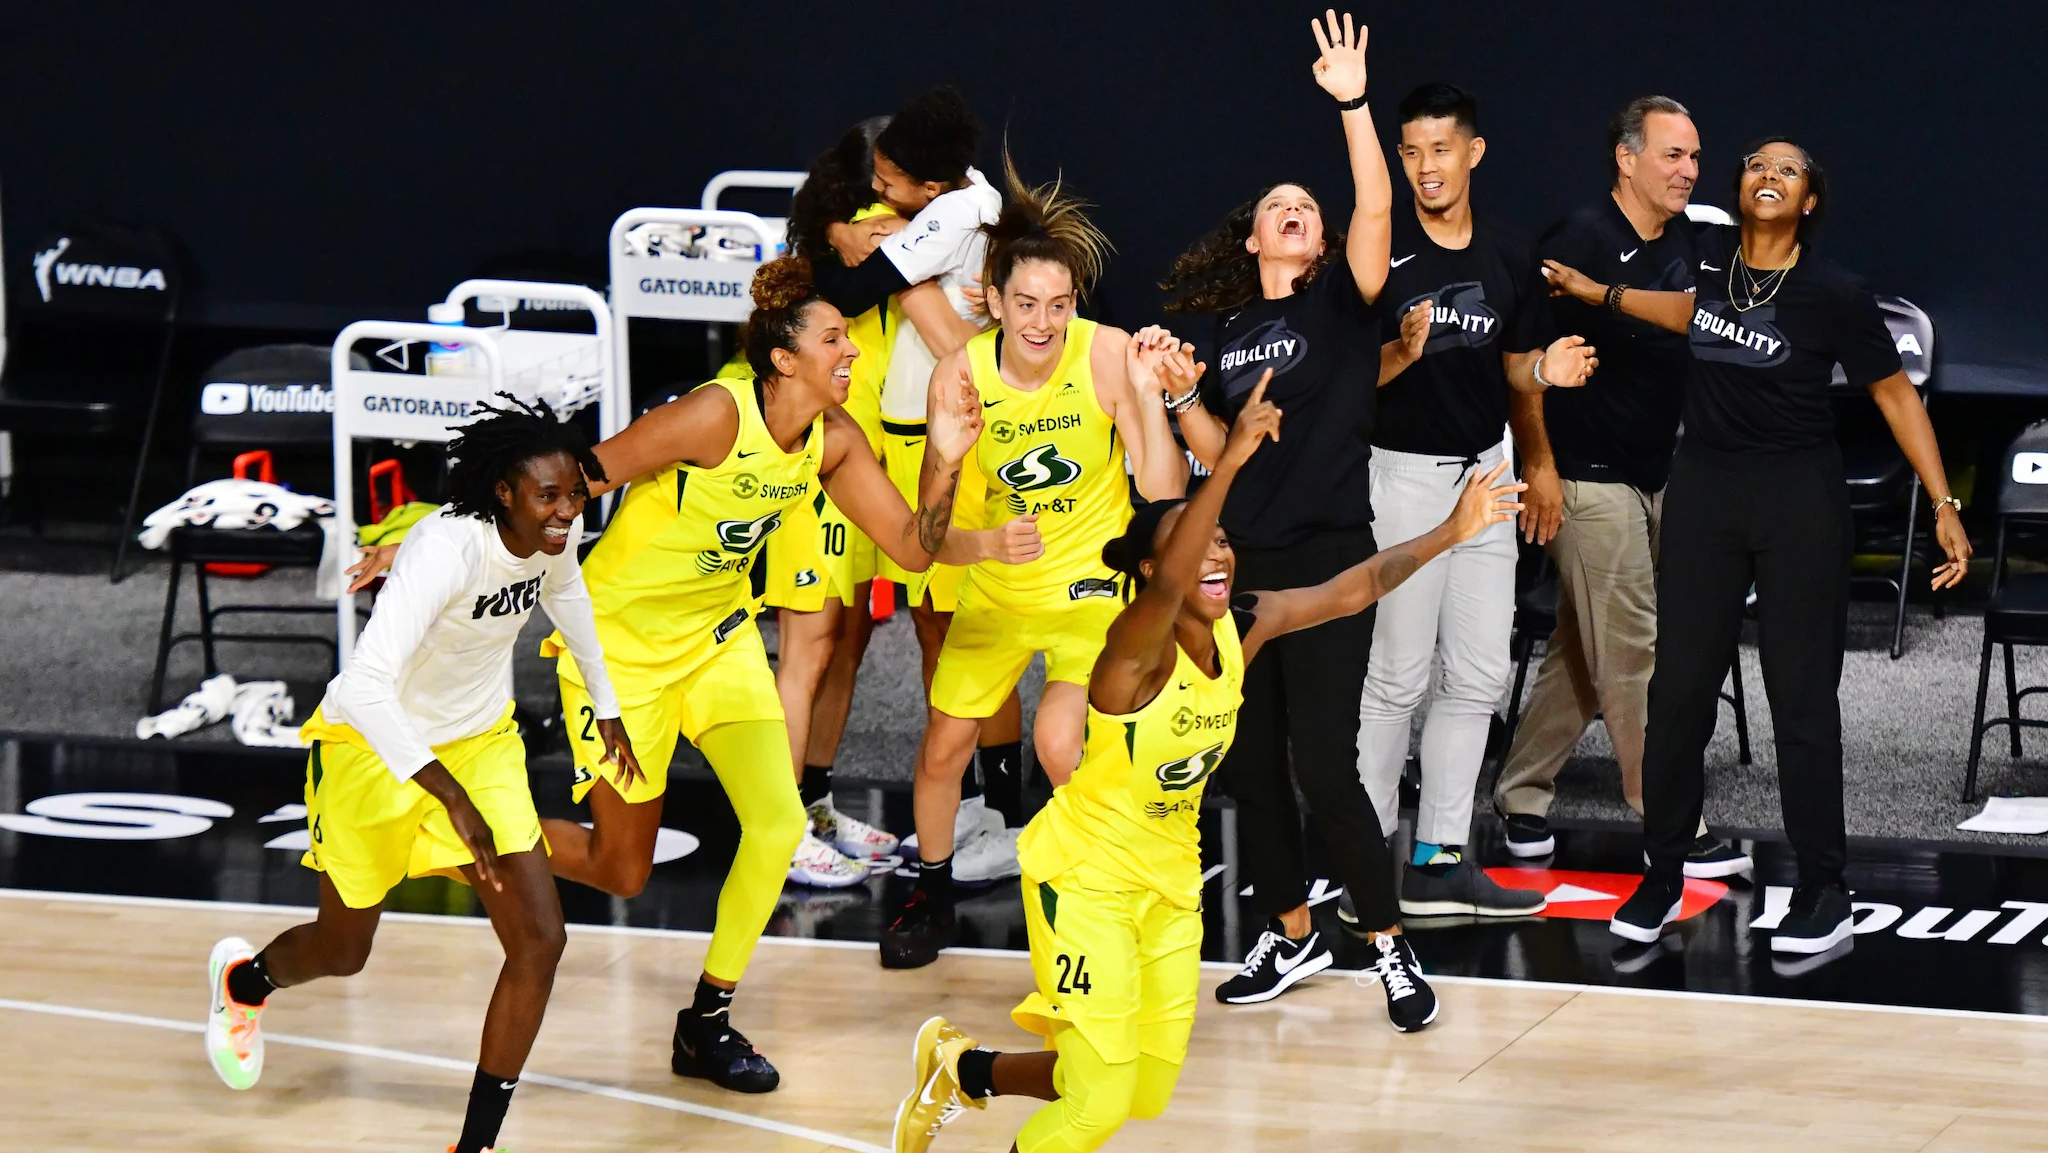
{"x": 1073, "y": 974}
{"x": 589, "y": 719}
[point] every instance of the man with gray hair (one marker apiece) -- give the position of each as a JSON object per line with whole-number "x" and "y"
{"x": 1596, "y": 472}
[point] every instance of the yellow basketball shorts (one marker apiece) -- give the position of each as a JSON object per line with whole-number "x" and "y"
{"x": 371, "y": 830}
{"x": 1125, "y": 968}
{"x": 903, "y": 459}
{"x": 988, "y": 646}
{"x": 730, "y": 681}
{"x": 815, "y": 554}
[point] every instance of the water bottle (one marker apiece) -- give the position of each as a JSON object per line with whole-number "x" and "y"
{"x": 450, "y": 358}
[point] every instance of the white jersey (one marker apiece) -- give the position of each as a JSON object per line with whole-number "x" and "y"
{"x": 435, "y": 662}
{"x": 945, "y": 244}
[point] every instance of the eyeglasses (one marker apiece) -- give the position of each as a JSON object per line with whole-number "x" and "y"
{"x": 1787, "y": 167}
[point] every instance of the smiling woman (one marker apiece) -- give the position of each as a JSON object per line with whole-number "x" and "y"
{"x": 1767, "y": 326}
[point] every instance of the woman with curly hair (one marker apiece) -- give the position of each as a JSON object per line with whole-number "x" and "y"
{"x": 1292, "y": 295}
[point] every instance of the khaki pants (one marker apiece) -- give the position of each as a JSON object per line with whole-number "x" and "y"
{"x": 1599, "y": 660}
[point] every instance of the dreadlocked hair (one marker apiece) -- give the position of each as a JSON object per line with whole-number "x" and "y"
{"x": 783, "y": 293}
{"x": 840, "y": 183}
{"x": 1138, "y": 544}
{"x": 499, "y": 445}
{"x": 1216, "y": 273}
{"x": 1043, "y": 223}
{"x": 933, "y": 137}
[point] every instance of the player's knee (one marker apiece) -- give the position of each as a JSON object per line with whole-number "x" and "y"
{"x": 1154, "y": 1088}
{"x": 627, "y": 877}
{"x": 779, "y": 832}
{"x": 1096, "y": 1114}
{"x": 537, "y": 943}
{"x": 1057, "y": 751}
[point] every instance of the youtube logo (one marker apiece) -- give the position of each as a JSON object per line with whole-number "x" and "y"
{"x": 2030, "y": 468}
{"x": 1581, "y": 896}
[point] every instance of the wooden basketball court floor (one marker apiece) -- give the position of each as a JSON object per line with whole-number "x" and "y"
{"x": 102, "y": 1000}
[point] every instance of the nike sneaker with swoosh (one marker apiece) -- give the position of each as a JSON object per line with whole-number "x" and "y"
{"x": 234, "y": 1034}
{"x": 708, "y": 1046}
{"x": 1411, "y": 1003}
{"x": 1274, "y": 965}
{"x": 934, "y": 1099}
{"x": 855, "y": 838}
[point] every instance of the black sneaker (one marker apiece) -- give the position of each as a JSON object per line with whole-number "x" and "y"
{"x": 1710, "y": 856}
{"x": 914, "y": 938}
{"x": 1463, "y": 889}
{"x": 1654, "y": 905}
{"x": 1411, "y": 1003}
{"x": 1528, "y": 836}
{"x": 709, "y": 1047}
{"x": 1818, "y": 921}
{"x": 1274, "y": 965}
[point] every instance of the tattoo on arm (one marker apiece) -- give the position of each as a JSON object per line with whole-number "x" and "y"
{"x": 933, "y": 522}
{"x": 1395, "y": 567}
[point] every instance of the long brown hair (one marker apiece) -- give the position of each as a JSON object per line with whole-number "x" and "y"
{"x": 1216, "y": 273}
{"x": 1043, "y": 223}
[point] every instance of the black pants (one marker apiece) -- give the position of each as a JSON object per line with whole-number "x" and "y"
{"x": 1782, "y": 521}
{"x": 1301, "y": 695}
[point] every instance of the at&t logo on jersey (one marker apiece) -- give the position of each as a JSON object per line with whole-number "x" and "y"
{"x": 517, "y": 598}
{"x": 1186, "y": 773}
{"x": 1042, "y": 467}
{"x": 744, "y": 536}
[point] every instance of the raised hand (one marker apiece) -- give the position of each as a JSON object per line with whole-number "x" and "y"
{"x": 1340, "y": 70}
{"x": 854, "y": 242}
{"x": 1415, "y": 325}
{"x": 1484, "y": 503}
{"x": 375, "y": 560}
{"x": 1018, "y": 542}
{"x": 956, "y": 418}
{"x": 1145, "y": 356}
{"x": 1568, "y": 362}
{"x": 1259, "y": 421}
{"x": 1568, "y": 281}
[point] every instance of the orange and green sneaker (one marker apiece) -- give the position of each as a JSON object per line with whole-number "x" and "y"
{"x": 234, "y": 1038}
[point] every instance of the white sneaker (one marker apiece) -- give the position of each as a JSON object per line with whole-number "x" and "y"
{"x": 234, "y": 1037}
{"x": 973, "y": 815}
{"x": 855, "y": 838}
{"x": 819, "y": 864}
{"x": 988, "y": 856}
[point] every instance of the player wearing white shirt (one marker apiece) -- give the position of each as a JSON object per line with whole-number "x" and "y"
{"x": 417, "y": 767}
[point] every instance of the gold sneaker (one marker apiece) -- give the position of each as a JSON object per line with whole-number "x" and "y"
{"x": 935, "y": 1098}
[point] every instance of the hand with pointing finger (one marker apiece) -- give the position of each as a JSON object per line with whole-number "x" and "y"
{"x": 1259, "y": 421}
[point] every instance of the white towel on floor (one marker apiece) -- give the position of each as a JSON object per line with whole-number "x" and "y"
{"x": 2010, "y": 815}
{"x": 262, "y": 713}
{"x": 215, "y": 696}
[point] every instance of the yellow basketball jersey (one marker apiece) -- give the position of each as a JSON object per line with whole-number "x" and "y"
{"x": 874, "y": 333}
{"x": 1054, "y": 452}
{"x": 671, "y": 570}
{"x": 1130, "y": 811}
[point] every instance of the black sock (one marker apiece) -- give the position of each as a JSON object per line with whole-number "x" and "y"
{"x": 977, "y": 1073}
{"x": 970, "y": 781}
{"x": 817, "y": 784}
{"x": 249, "y": 981}
{"x": 1002, "y": 776}
{"x": 489, "y": 1097}
{"x": 936, "y": 879}
{"x": 710, "y": 999}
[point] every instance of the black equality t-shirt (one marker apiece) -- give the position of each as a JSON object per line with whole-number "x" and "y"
{"x": 1323, "y": 345}
{"x": 1490, "y": 299}
{"x": 1760, "y": 375}
{"x": 1622, "y": 426}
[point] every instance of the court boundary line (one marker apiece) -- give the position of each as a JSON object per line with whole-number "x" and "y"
{"x": 1018, "y": 954}
{"x": 402, "y": 1056}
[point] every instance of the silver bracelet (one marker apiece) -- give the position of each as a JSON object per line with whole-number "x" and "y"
{"x": 1536, "y": 370}
{"x": 1177, "y": 405}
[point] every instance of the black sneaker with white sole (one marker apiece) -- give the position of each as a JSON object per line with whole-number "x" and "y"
{"x": 1463, "y": 889}
{"x": 1274, "y": 965}
{"x": 1528, "y": 836}
{"x": 708, "y": 1046}
{"x": 1654, "y": 905}
{"x": 1709, "y": 856}
{"x": 1411, "y": 1003}
{"x": 1820, "y": 919}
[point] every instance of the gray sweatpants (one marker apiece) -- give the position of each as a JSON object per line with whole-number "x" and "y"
{"x": 1457, "y": 612}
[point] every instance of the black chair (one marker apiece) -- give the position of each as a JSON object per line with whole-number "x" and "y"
{"x": 1536, "y": 620}
{"x": 1878, "y": 472}
{"x": 90, "y": 336}
{"x": 274, "y": 396}
{"x": 293, "y": 548}
{"x": 2018, "y": 611}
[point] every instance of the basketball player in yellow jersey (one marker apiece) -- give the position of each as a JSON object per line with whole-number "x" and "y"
{"x": 1063, "y": 399}
{"x": 1112, "y": 866}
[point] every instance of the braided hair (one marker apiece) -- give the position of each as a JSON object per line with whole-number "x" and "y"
{"x": 1138, "y": 544}
{"x": 1216, "y": 274}
{"x": 498, "y": 445}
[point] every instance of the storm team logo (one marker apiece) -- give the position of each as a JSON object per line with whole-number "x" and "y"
{"x": 1186, "y": 773}
{"x": 743, "y": 536}
{"x": 1042, "y": 467}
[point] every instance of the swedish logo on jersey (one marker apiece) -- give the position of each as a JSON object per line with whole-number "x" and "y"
{"x": 743, "y": 536}
{"x": 745, "y": 484}
{"x": 1042, "y": 467}
{"x": 1188, "y": 772}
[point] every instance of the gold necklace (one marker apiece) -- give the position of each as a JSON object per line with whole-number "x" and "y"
{"x": 1774, "y": 278}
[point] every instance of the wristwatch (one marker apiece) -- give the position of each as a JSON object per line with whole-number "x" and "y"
{"x": 1955, "y": 501}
